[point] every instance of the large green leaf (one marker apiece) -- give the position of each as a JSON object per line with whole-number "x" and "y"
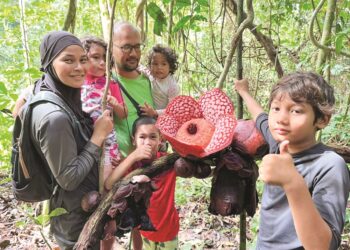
{"x": 159, "y": 18}
{"x": 181, "y": 24}
{"x": 182, "y": 3}
{"x": 339, "y": 42}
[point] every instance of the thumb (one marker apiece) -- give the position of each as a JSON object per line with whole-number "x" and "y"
{"x": 284, "y": 147}
{"x": 107, "y": 112}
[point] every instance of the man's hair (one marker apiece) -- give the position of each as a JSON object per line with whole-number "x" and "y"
{"x": 119, "y": 25}
{"x": 307, "y": 87}
{"x": 169, "y": 54}
{"x": 142, "y": 120}
{"x": 87, "y": 41}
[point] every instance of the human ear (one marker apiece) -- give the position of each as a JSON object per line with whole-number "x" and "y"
{"x": 322, "y": 122}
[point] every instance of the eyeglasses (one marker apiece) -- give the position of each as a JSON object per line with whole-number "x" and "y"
{"x": 127, "y": 48}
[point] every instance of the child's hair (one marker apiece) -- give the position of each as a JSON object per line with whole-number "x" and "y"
{"x": 169, "y": 54}
{"x": 307, "y": 87}
{"x": 142, "y": 120}
{"x": 88, "y": 40}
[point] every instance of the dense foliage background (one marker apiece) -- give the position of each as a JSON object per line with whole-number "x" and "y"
{"x": 201, "y": 32}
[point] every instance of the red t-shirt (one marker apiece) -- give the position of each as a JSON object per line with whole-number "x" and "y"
{"x": 161, "y": 210}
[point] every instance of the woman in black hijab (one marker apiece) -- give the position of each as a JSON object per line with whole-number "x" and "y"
{"x": 73, "y": 159}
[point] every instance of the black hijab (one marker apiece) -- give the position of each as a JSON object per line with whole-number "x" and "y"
{"x": 51, "y": 46}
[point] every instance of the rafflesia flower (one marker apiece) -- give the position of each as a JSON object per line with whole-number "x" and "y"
{"x": 249, "y": 136}
{"x": 198, "y": 128}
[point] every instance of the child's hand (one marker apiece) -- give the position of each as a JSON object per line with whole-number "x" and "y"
{"x": 148, "y": 110}
{"x": 140, "y": 179}
{"x": 278, "y": 169}
{"x": 241, "y": 85}
{"x": 112, "y": 101}
{"x": 142, "y": 152}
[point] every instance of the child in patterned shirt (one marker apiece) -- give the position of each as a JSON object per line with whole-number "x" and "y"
{"x": 92, "y": 93}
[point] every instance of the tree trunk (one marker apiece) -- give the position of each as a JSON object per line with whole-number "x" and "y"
{"x": 170, "y": 24}
{"x": 234, "y": 42}
{"x": 69, "y": 23}
{"x": 140, "y": 18}
{"x": 24, "y": 40}
{"x": 105, "y": 18}
{"x": 326, "y": 35}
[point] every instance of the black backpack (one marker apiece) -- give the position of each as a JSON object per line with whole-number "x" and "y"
{"x": 32, "y": 180}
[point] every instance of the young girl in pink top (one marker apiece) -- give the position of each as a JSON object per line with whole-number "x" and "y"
{"x": 92, "y": 93}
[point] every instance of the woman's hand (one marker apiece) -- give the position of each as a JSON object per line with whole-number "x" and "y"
{"x": 103, "y": 126}
{"x": 148, "y": 110}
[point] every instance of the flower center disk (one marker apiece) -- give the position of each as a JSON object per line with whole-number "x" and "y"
{"x": 196, "y": 132}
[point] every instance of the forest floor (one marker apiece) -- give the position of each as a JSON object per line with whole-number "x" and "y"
{"x": 199, "y": 229}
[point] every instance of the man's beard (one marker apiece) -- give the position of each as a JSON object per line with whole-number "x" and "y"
{"x": 128, "y": 68}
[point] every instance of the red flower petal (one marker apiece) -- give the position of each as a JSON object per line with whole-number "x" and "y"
{"x": 223, "y": 135}
{"x": 215, "y": 103}
{"x": 168, "y": 125}
{"x": 183, "y": 108}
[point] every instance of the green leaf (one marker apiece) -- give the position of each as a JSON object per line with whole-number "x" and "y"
{"x": 3, "y": 89}
{"x": 180, "y": 24}
{"x": 42, "y": 219}
{"x": 203, "y": 2}
{"x": 339, "y": 43}
{"x": 198, "y": 18}
{"x": 57, "y": 212}
{"x": 159, "y": 18}
{"x": 20, "y": 223}
{"x": 183, "y": 3}
{"x": 5, "y": 180}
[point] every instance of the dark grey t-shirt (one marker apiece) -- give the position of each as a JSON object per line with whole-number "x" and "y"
{"x": 327, "y": 178}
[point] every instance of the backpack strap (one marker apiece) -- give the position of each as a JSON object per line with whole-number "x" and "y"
{"x": 48, "y": 96}
{"x": 132, "y": 100}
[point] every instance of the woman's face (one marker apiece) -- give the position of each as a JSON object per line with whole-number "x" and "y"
{"x": 71, "y": 65}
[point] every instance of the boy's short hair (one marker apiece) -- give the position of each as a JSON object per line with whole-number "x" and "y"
{"x": 88, "y": 40}
{"x": 307, "y": 87}
{"x": 142, "y": 120}
{"x": 169, "y": 54}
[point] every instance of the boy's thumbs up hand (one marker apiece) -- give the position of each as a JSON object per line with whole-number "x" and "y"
{"x": 278, "y": 169}
{"x": 284, "y": 147}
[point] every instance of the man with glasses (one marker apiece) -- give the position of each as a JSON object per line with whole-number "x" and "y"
{"x": 127, "y": 48}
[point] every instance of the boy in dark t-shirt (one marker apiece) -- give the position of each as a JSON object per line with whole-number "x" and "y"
{"x": 306, "y": 184}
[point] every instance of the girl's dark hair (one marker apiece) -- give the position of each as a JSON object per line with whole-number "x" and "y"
{"x": 307, "y": 87}
{"x": 142, "y": 120}
{"x": 169, "y": 54}
{"x": 88, "y": 40}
